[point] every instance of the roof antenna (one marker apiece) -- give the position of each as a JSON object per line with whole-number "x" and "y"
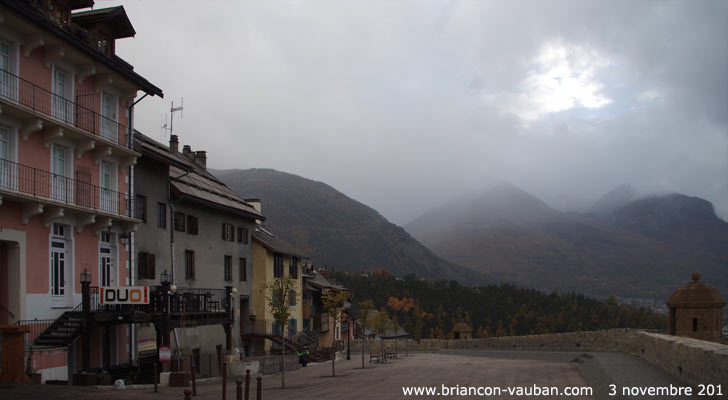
{"x": 172, "y": 110}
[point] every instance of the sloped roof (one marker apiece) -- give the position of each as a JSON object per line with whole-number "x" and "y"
{"x": 462, "y": 327}
{"x": 318, "y": 282}
{"x": 275, "y": 243}
{"x": 192, "y": 182}
{"x": 696, "y": 295}
{"x": 113, "y": 17}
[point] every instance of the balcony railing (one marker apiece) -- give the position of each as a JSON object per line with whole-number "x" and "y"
{"x": 49, "y": 186}
{"x": 183, "y": 301}
{"x": 17, "y": 90}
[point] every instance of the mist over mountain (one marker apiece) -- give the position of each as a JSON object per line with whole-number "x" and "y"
{"x": 337, "y": 231}
{"x": 631, "y": 248}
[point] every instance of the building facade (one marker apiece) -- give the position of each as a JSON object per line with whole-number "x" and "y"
{"x": 66, "y": 113}
{"x": 273, "y": 257}
{"x": 197, "y": 231}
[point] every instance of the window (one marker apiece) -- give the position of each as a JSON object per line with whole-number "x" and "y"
{"x": 227, "y": 232}
{"x": 292, "y": 298}
{"x": 189, "y": 264}
{"x": 277, "y": 265}
{"x": 292, "y": 325}
{"x": 293, "y": 268}
{"x": 61, "y": 188}
{"x": 179, "y": 221}
{"x": 161, "y": 215}
{"x": 8, "y": 81}
{"x": 8, "y": 170}
{"x": 228, "y": 268}
{"x": 695, "y": 324}
{"x": 146, "y": 267}
{"x": 243, "y": 269}
{"x": 324, "y": 322}
{"x": 61, "y": 107}
{"x": 242, "y": 235}
{"x": 140, "y": 208}
{"x": 191, "y": 224}
{"x": 109, "y": 125}
{"x": 107, "y": 193}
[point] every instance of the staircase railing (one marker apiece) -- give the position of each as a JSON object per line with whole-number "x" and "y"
{"x": 37, "y": 327}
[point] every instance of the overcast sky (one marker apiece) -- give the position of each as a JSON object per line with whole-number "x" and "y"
{"x": 405, "y": 104}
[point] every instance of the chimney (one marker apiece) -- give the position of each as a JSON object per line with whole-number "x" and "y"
{"x": 187, "y": 151}
{"x": 256, "y": 204}
{"x": 173, "y": 144}
{"x": 201, "y": 158}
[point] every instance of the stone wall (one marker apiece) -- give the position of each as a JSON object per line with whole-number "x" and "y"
{"x": 692, "y": 361}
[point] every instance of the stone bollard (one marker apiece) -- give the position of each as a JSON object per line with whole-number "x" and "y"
{"x": 188, "y": 392}
{"x": 238, "y": 389}
{"x": 247, "y": 384}
{"x": 259, "y": 391}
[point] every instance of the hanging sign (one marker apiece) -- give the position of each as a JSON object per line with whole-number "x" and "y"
{"x": 124, "y": 295}
{"x": 165, "y": 354}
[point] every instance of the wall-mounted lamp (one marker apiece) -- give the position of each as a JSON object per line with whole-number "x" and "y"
{"x": 164, "y": 278}
{"x": 124, "y": 238}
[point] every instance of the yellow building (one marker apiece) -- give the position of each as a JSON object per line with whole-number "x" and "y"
{"x": 273, "y": 257}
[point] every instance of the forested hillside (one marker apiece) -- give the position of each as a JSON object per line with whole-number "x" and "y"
{"x": 429, "y": 309}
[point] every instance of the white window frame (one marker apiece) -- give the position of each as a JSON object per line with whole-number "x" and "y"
{"x": 69, "y": 192}
{"x": 106, "y": 202}
{"x": 110, "y": 132}
{"x": 11, "y": 90}
{"x": 9, "y": 167}
{"x": 66, "y": 114}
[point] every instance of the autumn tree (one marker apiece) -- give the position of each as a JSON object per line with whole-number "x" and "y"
{"x": 279, "y": 294}
{"x": 365, "y": 307}
{"x": 333, "y": 301}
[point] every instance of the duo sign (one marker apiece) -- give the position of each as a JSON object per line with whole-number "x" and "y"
{"x": 124, "y": 295}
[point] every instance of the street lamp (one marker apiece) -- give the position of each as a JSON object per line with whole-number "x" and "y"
{"x": 165, "y": 278}
{"x": 124, "y": 238}
{"x": 85, "y": 276}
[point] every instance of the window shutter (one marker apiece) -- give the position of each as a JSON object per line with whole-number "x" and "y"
{"x": 151, "y": 266}
{"x": 142, "y": 265}
{"x": 223, "y": 231}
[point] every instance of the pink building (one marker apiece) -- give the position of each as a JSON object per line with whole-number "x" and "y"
{"x": 66, "y": 111}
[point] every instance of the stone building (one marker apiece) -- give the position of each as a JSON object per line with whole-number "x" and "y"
{"x": 696, "y": 311}
{"x": 462, "y": 331}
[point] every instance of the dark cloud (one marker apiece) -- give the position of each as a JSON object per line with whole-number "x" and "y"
{"x": 404, "y": 104}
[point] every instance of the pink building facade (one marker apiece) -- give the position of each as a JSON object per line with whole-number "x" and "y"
{"x": 66, "y": 159}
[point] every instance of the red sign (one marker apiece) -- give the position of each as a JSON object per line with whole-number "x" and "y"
{"x": 124, "y": 295}
{"x": 164, "y": 353}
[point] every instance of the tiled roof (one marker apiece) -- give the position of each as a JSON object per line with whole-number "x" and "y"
{"x": 275, "y": 243}
{"x": 193, "y": 182}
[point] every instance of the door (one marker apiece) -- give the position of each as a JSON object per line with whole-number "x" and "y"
{"x": 108, "y": 198}
{"x": 107, "y": 270}
{"x": 5, "y": 79}
{"x": 60, "y": 184}
{"x": 58, "y": 273}
{"x": 108, "y": 117}
{"x": 59, "y": 104}
{"x": 8, "y": 169}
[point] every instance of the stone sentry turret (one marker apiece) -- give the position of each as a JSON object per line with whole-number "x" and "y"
{"x": 696, "y": 311}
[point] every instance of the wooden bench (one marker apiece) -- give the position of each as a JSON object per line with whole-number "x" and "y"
{"x": 375, "y": 355}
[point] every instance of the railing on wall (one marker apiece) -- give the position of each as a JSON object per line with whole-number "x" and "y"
{"x": 47, "y": 185}
{"x": 183, "y": 300}
{"x": 27, "y": 94}
{"x": 37, "y": 326}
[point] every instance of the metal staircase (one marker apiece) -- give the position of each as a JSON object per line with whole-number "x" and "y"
{"x": 62, "y": 332}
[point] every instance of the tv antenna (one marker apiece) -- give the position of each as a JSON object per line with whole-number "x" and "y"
{"x": 172, "y": 110}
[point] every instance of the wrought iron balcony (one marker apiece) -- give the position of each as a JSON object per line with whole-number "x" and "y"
{"x": 25, "y": 94}
{"x": 44, "y": 185}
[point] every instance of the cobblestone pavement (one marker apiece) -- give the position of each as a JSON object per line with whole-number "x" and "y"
{"x": 385, "y": 381}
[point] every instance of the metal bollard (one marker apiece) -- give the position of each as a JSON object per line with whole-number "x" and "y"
{"x": 247, "y": 384}
{"x": 156, "y": 376}
{"x": 193, "y": 373}
{"x": 188, "y": 392}
{"x": 259, "y": 391}
{"x": 224, "y": 380}
{"x": 238, "y": 389}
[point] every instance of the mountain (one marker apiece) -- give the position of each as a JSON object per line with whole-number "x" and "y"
{"x": 614, "y": 199}
{"x": 514, "y": 237}
{"x": 337, "y": 231}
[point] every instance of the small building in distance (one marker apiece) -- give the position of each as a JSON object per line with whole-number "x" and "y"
{"x": 696, "y": 311}
{"x": 462, "y": 330}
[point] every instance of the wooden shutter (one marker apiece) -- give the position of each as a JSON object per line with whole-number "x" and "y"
{"x": 151, "y": 266}
{"x": 142, "y": 265}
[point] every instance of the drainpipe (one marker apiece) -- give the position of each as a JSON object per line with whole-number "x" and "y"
{"x": 130, "y": 245}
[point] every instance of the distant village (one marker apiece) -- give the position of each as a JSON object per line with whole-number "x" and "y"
{"x": 120, "y": 254}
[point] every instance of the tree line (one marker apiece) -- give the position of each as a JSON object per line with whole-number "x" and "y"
{"x": 429, "y": 309}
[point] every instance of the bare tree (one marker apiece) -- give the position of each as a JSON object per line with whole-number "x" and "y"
{"x": 278, "y": 295}
{"x": 365, "y": 307}
{"x": 333, "y": 301}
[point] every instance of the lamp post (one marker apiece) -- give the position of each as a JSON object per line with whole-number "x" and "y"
{"x": 86, "y": 310}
